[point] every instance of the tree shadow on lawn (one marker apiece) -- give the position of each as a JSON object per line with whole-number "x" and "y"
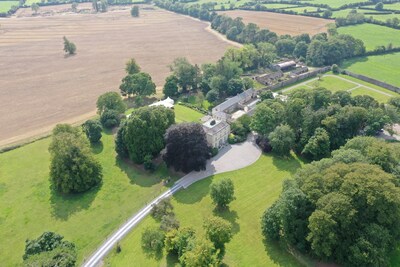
{"x": 63, "y": 206}
{"x": 153, "y": 254}
{"x": 97, "y": 148}
{"x": 280, "y": 255}
{"x": 195, "y": 193}
{"x": 229, "y": 215}
{"x": 172, "y": 260}
{"x": 137, "y": 174}
{"x": 288, "y": 163}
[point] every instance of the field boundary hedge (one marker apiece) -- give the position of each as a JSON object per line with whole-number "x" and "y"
{"x": 373, "y": 81}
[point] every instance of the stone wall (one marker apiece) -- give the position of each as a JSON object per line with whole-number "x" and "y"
{"x": 373, "y": 81}
{"x": 298, "y": 78}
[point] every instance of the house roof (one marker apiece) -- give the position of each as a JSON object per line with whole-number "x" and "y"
{"x": 213, "y": 129}
{"x": 286, "y": 64}
{"x": 233, "y": 100}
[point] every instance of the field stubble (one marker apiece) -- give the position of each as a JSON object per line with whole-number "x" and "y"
{"x": 281, "y": 23}
{"x": 41, "y": 87}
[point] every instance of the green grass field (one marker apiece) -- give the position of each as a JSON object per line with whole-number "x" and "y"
{"x": 182, "y": 114}
{"x": 333, "y": 3}
{"x": 384, "y": 18}
{"x": 345, "y": 12}
{"x": 373, "y": 35}
{"x": 5, "y": 6}
{"x": 395, "y": 6}
{"x": 353, "y": 85}
{"x": 256, "y": 188}
{"x": 29, "y": 207}
{"x": 225, "y": 3}
{"x": 304, "y": 8}
{"x": 383, "y": 67}
{"x": 185, "y": 114}
{"x": 278, "y": 6}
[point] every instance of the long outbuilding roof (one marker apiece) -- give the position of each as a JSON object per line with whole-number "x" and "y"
{"x": 233, "y": 100}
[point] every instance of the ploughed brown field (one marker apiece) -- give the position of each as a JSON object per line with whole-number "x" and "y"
{"x": 281, "y": 23}
{"x": 40, "y": 87}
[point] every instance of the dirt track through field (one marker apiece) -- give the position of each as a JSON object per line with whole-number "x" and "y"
{"x": 281, "y": 23}
{"x": 39, "y": 87}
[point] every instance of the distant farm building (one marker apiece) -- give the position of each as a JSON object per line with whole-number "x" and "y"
{"x": 269, "y": 78}
{"x": 285, "y": 66}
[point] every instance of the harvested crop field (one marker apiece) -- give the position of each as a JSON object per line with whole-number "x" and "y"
{"x": 40, "y": 87}
{"x": 281, "y": 23}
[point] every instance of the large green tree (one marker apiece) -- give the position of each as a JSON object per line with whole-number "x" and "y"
{"x": 318, "y": 145}
{"x": 267, "y": 117}
{"x": 222, "y": 192}
{"x": 92, "y": 129}
{"x": 282, "y": 139}
{"x": 153, "y": 241}
{"x": 188, "y": 75}
{"x": 110, "y": 101}
{"x": 347, "y": 207}
{"x": 49, "y": 250}
{"x": 218, "y": 231}
{"x": 139, "y": 84}
{"x": 73, "y": 169}
{"x": 200, "y": 252}
{"x": 186, "y": 147}
{"x": 171, "y": 86}
{"x": 143, "y": 133}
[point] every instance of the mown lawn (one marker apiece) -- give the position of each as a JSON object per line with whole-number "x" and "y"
{"x": 333, "y": 3}
{"x": 373, "y": 35}
{"x": 185, "y": 114}
{"x": 256, "y": 188}
{"x": 28, "y": 206}
{"x": 182, "y": 114}
{"x": 385, "y": 68}
{"x": 334, "y": 84}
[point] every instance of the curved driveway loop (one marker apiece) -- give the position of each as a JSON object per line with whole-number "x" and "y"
{"x": 229, "y": 158}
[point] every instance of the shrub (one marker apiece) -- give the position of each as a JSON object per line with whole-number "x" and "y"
{"x": 110, "y": 118}
{"x": 153, "y": 240}
{"x": 69, "y": 47}
{"x": 135, "y": 11}
{"x": 92, "y": 129}
{"x": 162, "y": 208}
{"x": 148, "y": 163}
{"x": 335, "y": 69}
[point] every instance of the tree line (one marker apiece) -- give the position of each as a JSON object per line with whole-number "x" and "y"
{"x": 354, "y": 18}
{"x": 320, "y": 50}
